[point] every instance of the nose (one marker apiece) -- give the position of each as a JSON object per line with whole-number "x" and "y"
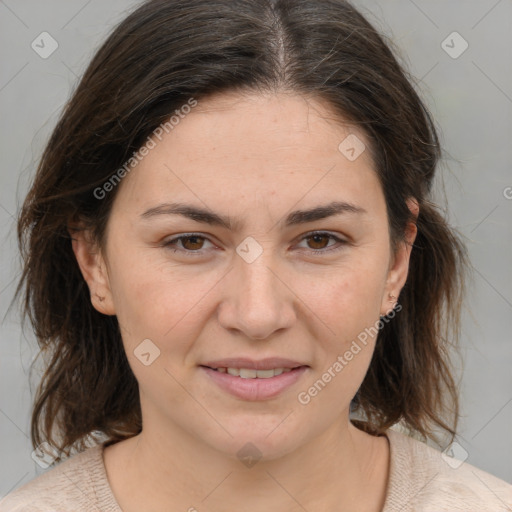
{"x": 257, "y": 300}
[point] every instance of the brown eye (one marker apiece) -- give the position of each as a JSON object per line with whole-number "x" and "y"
{"x": 192, "y": 243}
{"x": 189, "y": 245}
{"x": 320, "y": 241}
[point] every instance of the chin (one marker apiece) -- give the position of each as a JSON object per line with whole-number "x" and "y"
{"x": 266, "y": 438}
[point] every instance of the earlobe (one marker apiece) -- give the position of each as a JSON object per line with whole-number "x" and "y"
{"x": 93, "y": 269}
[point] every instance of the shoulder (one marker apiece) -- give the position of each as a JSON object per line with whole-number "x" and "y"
{"x": 422, "y": 478}
{"x": 78, "y": 483}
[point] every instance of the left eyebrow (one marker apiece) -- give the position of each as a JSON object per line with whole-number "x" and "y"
{"x": 322, "y": 212}
{"x": 296, "y": 217}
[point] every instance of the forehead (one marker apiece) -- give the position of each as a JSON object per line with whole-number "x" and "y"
{"x": 245, "y": 124}
{"x": 255, "y": 150}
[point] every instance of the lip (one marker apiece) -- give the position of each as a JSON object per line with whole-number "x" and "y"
{"x": 262, "y": 364}
{"x": 254, "y": 389}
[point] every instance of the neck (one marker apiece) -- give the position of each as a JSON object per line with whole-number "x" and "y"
{"x": 341, "y": 469}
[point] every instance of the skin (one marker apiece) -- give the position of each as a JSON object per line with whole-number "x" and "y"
{"x": 254, "y": 157}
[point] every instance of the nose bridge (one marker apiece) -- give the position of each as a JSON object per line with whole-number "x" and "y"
{"x": 258, "y": 281}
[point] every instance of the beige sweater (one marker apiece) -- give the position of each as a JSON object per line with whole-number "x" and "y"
{"x": 420, "y": 480}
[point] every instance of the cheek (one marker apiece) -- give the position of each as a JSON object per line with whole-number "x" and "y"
{"x": 163, "y": 302}
{"x": 166, "y": 309}
{"x": 348, "y": 306}
{"x": 345, "y": 298}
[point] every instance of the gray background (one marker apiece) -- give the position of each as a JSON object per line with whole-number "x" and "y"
{"x": 470, "y": 97}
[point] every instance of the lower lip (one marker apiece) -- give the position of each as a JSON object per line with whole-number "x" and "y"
{"x": 255, "y": 389}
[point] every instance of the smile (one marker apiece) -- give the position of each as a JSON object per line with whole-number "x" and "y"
{"x": 254, "y": 385}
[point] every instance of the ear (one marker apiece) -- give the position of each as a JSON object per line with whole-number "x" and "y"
{"x": 94, "y": 269}
{"x": 399, "y": 267}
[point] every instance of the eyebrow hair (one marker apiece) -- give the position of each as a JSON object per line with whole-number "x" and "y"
{"x": 205, "y": 216}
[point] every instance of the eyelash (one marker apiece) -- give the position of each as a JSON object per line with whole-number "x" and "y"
{"x": 305, "y": 237}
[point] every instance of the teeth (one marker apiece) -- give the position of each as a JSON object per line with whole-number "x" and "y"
{"x": 249, "y": 373}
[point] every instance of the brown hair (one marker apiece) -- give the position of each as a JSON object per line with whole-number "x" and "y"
{"x": 160, "y": 56}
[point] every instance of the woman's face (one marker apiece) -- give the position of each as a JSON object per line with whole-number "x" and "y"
{"x": 190, "y": 291}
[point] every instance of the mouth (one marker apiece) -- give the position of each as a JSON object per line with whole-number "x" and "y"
{"x": 251, "y": 384}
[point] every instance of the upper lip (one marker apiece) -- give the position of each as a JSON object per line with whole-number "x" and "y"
{"x": 261, "y": 364}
